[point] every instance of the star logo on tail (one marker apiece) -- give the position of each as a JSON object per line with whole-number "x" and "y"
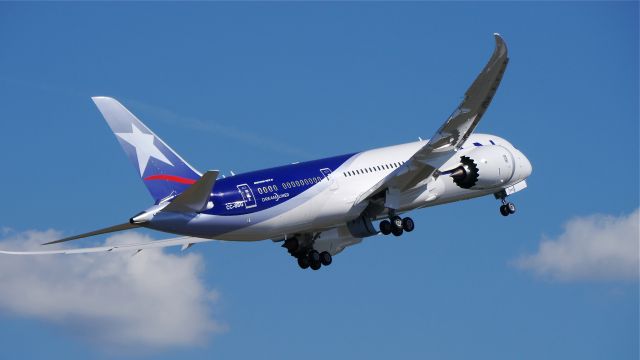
{"x": 145, "y": 148}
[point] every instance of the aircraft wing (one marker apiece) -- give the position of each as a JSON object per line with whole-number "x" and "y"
{"x": 453, "y": 133}
{"x": 184, "y": 241}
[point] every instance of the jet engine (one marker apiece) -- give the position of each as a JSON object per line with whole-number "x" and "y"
{"x": 484, "y": 167}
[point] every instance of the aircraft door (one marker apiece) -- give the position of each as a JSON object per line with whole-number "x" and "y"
{"x": 327, "y": 174}
{"x": 247, "y": 196}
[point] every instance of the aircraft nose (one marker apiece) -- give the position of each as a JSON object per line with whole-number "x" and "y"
{"x": 526, "y": 166}
{"x": 523, "y": 165}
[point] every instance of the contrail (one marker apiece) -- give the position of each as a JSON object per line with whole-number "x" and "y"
{"x": 210, "y": 126}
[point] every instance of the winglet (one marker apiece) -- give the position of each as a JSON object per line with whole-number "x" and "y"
{"x": 455, "y": 131}
{"x": 196, "y": 197}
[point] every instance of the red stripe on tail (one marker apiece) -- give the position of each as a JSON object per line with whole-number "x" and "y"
{"x": 177, "y": 179}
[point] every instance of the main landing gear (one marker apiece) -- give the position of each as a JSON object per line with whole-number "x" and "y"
{"x": 306, "y": 255}
{"x": 314, "y": 260}
{"x": 396, "y": 225}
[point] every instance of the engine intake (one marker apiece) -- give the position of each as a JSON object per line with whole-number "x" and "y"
{"x": 466, "y": 175}
{"x": 484, "y": 167}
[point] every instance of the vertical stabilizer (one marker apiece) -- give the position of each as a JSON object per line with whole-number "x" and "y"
{"x": 162, "y": 170}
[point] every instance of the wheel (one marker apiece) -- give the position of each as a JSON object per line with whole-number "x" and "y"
{"x": 385, "y": 227}
{"x": 504, "y": 210}
{"x": 313, "y": 256}
{"x": 325, "y": 258}
{"x": 315, "y": 265}
{"x": 396, "y": 222}
{"x": 303, "y": 262}
{"x": 397, "y": 231}
{"x": 408, "y": 225}
{"x": 511, "y": 208}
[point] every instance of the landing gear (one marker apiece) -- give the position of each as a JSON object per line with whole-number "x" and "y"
{"x": 385, "y": 227}
{"x": 397, "y": 225}
{"x": 314, "y": 260}
{"x": 303, "y": 261}
{"x": 507, "y": 208}
{"x": 408, "y": 225}
{"x": 325, "y": 258}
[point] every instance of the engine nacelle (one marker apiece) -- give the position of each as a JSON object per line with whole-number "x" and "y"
{"x": 361, "y": 227}
{"x": 484, "y": 167}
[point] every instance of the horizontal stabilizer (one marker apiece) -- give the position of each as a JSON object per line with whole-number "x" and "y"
{"x": 195, "y": 198}
{"x": 179, "y": 241}
{"x": 125, "y": 226}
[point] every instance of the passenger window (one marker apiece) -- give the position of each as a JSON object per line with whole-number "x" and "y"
{"x": 270, "y": 188}
{"x": 275, "y": 187}
{"x": 259, "y": 190}
{"x": 297, "y": 183}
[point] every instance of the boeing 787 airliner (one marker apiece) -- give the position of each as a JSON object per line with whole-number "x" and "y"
{"x": 318, "y": 208}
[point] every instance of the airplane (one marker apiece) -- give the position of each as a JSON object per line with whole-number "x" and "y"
{"x": 318, "y": 208}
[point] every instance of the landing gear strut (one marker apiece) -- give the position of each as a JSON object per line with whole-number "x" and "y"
{"x": 396, "y": 225}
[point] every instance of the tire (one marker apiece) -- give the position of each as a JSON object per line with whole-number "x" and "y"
{"x": 397, "y": 232}
{"x": 408, "y": 225}
{"x": 315, "y": 265}
{"x": 303, "y": 262}
{"x": 504, "y": 210}
{"x": 385, "y": 227}
{"x": 314, "y": 257}
{"x": 511, "y": 208}
{"x": 396, "y": 222}
{"x": 325, "y": 258}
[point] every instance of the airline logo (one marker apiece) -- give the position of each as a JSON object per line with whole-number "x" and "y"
{"x": 145, "y": 148}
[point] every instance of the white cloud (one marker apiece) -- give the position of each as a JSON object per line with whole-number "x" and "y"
{"x": 597, "y": 247}
{"x": 149, "y": 301}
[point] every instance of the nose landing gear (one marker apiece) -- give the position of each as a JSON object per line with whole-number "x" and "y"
{"x": 507, "y": 208}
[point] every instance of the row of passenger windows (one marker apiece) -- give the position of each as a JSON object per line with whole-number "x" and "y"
{"x": 373, "y": 168}
{"x": 303, "y": 182}
{"x": 265, "y": 189}
{"x": 289, "y": 185}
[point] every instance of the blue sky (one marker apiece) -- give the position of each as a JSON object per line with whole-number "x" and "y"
{"x": 252, "y": 85}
